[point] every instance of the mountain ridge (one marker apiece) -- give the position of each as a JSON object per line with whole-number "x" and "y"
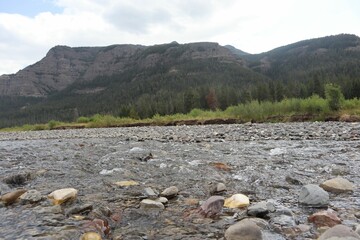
{"x": 123, "y": 79}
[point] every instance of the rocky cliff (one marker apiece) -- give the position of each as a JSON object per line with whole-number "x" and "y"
{"x": 62, "y": 66}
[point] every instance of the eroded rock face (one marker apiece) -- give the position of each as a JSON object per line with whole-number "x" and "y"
{"x": 64, "y": 65}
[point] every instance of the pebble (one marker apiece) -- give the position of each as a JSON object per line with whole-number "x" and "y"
{"x": 261, "y": 209}
{"x": 237, "y": 201}
{"x": 339, "y": 232}
{"x": 31, "y": 196}
{"x": 338, "y": 185}
{"x": 314, "y": 196}
{"x": 170, "y": 192}
{"x": 325, "y": 218}
{"x": 148, "y": 204}
{"x": 126, "y": 183}
{"x": 243, "y": 230}
{"x": 150, "y": 193}
{"x": 11, "y": 197}
{"x": 60, "y": 196}
{"x": 90, "y": 236}
{"x": 163, "y": 200}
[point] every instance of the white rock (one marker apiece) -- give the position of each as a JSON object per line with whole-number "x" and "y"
{"x": 62, "y": 195}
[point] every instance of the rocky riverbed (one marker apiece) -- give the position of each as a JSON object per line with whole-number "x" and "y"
{"x": 160, "y": 182}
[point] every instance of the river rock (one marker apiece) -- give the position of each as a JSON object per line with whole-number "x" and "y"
{"x": 339, "y": 232}
{"x": 79, "y": 209}
{"x": 243, "y": 230}
{"x": 325, "y": 218}
{"x": 237, "y": 201}
{"x": 90, "y": 236}
{"x": 62, "y": 195}
{"x": 337, "y": 185}
{"x": 314, "y": 196}
{"x": 163, "y": 200}
{"x": 212, "y": 206}
{"x": 126, "y": 183}
{"x": 170, "y": 192}
{"x": 11, "y": 197}
{"x": 218, "y": 188}
{"x": 148, "y": 204}
{"x": 150, "y": 193}
{"x": 260, "y": 209}
{"x": 31, "y": 196}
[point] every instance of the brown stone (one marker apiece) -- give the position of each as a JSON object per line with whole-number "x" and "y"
{"x": 337, "y": 185}
{"x": 339, "y": 232}
{"x": 11, "y": 197}
{"x": 325, "y": 218}
{"x": 243, "y": 230}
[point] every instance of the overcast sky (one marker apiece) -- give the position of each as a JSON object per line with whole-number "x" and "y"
{"x": 29, "y": 28}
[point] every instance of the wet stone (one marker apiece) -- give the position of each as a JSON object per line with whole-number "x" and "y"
{"x": 79, "y": 209}
{"x": 31, "y": 196}
{"x": 243, "y": 230}
{"x": 148, "y": 204}
{"x": 237, "y": 201}
{"x": 212, "y": 206}
{"x": 325, "y": 218}
{"x": 150, "y": 193}
{"x": 337, "y": 185}
{"x": 339, "y": 232}
{"x": 170, "y": 192}
{"x": 260, "y": 209}
{"x": 314, "y": 196}
{"x": 11, "y": 197}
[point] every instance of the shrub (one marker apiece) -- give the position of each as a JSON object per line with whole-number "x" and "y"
{"x": 83, "y": 120}
{"x": 334, "y": 96}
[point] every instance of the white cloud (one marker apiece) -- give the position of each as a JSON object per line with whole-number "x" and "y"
{"x": 252, "y": 26}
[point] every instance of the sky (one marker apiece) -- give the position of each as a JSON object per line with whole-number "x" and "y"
{"x": 29, "y": 28}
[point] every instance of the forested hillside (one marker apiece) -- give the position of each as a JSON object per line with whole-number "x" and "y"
{"x": 139, "y": 81}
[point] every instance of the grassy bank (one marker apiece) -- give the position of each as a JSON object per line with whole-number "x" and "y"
{"x": 310, "y": 109}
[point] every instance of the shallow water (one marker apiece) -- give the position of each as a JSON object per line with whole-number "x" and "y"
{"x": 258, "y": 158}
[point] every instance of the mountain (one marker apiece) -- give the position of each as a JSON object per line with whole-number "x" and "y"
{"x": 140, "y": 81}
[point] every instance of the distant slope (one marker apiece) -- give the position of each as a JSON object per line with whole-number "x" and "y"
{"x": 140, "y": 81}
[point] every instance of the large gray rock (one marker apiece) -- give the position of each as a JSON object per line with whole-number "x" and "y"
{"x": 339, "y": 232}
{"x": 314, "y": 196}
{"x": 243, "y": 230}
{"x": 213, "y": 206}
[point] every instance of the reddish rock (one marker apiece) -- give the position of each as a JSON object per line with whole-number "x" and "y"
{"x": 325, "y": 218}
{"x": 213, "y": 206}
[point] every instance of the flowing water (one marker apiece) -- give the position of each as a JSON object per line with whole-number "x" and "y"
{"x": 253, "y": 159}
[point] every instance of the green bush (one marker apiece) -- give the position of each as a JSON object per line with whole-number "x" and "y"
{"x": 334, "y": 96}
{"x": 52, "y": 124}
{"x": 83, "y": 120}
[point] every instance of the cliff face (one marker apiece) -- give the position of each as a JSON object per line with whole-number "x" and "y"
{"x": 64, "y": 65}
